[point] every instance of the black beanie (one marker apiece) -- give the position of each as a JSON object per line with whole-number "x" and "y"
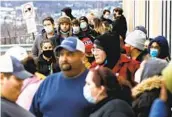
{"x": 110, "y": 43}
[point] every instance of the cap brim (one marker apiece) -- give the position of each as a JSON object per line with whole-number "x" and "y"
{"x": 65, "y": 47}
{"x": 23, "y": 74}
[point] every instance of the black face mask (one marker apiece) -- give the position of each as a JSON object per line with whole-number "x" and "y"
{"x": 48, "y": 53}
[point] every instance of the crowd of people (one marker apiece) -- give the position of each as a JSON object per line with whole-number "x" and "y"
{"x": 88, "y": 67}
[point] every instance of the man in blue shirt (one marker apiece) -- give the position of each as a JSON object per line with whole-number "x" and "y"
{"x": 61, "y": 94}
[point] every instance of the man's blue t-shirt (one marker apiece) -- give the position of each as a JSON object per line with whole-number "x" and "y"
{"x": 59, "y": 96}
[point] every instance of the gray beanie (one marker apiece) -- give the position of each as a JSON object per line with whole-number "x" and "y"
{"x": 153, "y": 66}
{"x": 136, "y": 39}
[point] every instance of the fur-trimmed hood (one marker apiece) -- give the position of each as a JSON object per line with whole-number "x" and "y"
{"x": 147, "y": 85}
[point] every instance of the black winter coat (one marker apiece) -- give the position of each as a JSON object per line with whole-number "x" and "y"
{"x": 120, "y": 26}
{"x": 112, "y": 108}
{"x": 47, "y": 67}
{"x": 145, "y": 93}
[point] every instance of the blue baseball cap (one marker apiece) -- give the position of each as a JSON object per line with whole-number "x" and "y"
{"x": 71, "y": 44}
{"x": 9, "y": 64}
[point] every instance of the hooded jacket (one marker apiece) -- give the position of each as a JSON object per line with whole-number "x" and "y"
{"x": 145, "y": 93}
{"x": 153, "y": 67}
{"x": 68, "y": 12}
{"x": 90, "y": 33}
{"x": 117, "y": 62}
{"x": 111, "y": 45}
{"x": 164, "y": 47}
{"x": 62, "y": 19}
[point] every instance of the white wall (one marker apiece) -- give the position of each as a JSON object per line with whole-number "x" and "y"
{"x": 155, "y": 15}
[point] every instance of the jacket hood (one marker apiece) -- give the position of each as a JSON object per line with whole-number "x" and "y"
{"x": 111, "y": 45}
{"x": 164, "y": 47}
{"x": 68, "y": 12}
{"x": 153, "y": 67}
{"x": 147, "y": 85}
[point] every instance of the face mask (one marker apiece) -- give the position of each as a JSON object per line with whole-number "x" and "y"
{"x": 76, "y": 30}
{"x": 106, "y": 16}
{"x": 48, "y": 29}
{"x": 87, "y": 95}
{"x": 64, "y": 33}
{"x": 153, "y": 52}
{"x": 83, "y": 25}
{"x": 48, "y": 53}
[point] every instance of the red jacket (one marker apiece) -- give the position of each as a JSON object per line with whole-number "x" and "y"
{"x": 124, "y": 69}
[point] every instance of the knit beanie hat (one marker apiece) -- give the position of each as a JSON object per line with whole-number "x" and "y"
{"x": 167, "y": 76}
{"x": 153, "y": 66}
{"x": 136, "y": 39}
{"x": 64, "y": 19}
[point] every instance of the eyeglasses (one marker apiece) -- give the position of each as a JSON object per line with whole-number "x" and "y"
{"x": 95, "y": 49}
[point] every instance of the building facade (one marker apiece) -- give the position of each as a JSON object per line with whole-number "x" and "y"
{"x": 155, "y": 15}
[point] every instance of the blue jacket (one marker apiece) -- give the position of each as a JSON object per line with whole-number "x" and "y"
{"x": 59, "y": 96}
{"x": 158, "y": 109}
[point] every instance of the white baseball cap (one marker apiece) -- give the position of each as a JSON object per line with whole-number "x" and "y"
{"x": 10, "y": 64}
{"x": 18, "y": 52}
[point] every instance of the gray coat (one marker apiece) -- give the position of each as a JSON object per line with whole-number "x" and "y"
{"x": 36, "y": 48}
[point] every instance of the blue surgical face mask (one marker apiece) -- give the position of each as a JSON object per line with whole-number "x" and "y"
{"x": 153, "y": 52}
{"x": 87, "y": 95}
